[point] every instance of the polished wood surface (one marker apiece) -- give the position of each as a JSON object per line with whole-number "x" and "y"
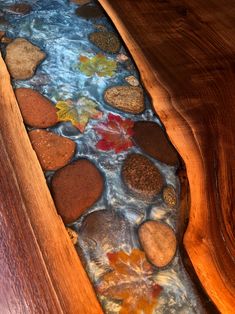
{"x": 40, "y": 271}
{"x": 185, "y": 52}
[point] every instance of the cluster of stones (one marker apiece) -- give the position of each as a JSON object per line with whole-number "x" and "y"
{"x": 78, "y": 185}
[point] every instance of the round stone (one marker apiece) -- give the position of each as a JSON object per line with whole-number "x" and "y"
{"x": 22, "y": 58}
{"x": 106, "y": 41}
{"x": 132, "y": 80}
{"x": 158, "y": 241}
{"x": 169, "y": 196}
{"x": 141, "y": 176}
{"x": 20, "y": 8}
{"x": 75, "y": 188}
{"x": 129, "y": 99}
{"x": 89, "y": 11}
{"x": 153, "y": 140}
{"x": 37, "y": 110}
{"x": 53, "y": 151}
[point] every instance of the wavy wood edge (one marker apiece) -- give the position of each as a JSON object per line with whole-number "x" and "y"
{"x": 198, "y": 240}
{"x": 47, "y": 276}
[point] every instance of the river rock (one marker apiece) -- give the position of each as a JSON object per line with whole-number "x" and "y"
{"x": 22, "y": 58}
{"x": 169, "y": 196}
{"x": 80, "y": 2}
{"x": 125, "y": 98}
{"x": 103, "y": 231}
{"x": 53, "y": 151}
{"x": 158, "y": 241}
{"x": 106, "y": 41}
{"x": 132, "y": 80}
{"x": 141, "y": 176}
{"x": 20, "y": 8}
{"x": 153, "y": 140}
{"x": 37, "y": 110}
{"x": 75, "y": 188}
{"x": 89, "y": 11}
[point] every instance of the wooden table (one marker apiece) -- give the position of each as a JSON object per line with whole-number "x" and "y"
{"x": 185, "y": 54}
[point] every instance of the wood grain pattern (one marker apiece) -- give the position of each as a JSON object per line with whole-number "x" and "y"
{"x": 40, "y": 271}
{"x": 185, "y": 52}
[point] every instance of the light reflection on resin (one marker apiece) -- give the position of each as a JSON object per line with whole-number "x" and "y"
{"x": 73, "y": 74}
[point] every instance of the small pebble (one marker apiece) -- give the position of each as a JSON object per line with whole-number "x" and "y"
{"x": 37, "y": 110}
{"x": 132, "y": 80}
{"x": 2, "y": 33}
{"x": 75, "y": 188}
{"x": 53, "y": 151}
{"x": 73, "y": 235}
{"x": 20, "y": 8}
{"x": 125, "y": 98}
{"x": 169, "y": 196}
{"x": 106, "y": 41}
{"x": 89, "y": 12}
{"x": 6, "y": 40}
{"x": 81, "y": 2}
{"x": 141, "y": 176}
{"x": 158, "y": 241}
{"x": 121, "y": 57}
{"x": 153, "y": 140}
{"x": 22, "y": 58}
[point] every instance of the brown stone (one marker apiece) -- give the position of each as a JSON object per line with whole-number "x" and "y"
{"x": 6, "y": 40}
{"x": 37, "y": 110}
{"x": 106, "y": 41}
{"x": 89, "y": 12}
{"x": 80, "y": 2}
{"x": 73, "y": 235}
{"x": 75, "y": 188}
{"x": 169, "y": 196}
{"x": 53, "y": 151}
{"x": 20, "y": 8}
{"x": 158, "y": 241}
{"x": 22, "y": 58}
{"x": 125, "y": 98}
{"x": 2, "y": 33}
{"x": 152, "y": 139}
{"x": 142, "y": 176}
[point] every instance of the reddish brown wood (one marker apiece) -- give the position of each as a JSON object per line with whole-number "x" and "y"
{"x": 185, "y": 51}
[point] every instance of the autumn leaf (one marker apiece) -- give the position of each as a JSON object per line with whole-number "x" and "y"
{"x": 98, "y": 64}
{"x": 130, "y": 281}
{"x": 115, "y": 134}
{"x": 78, "y": 112}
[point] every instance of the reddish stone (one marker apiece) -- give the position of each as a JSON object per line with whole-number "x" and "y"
{"x": 37, "y": 111}
{"x": 152, "y": 139}
{"x": 20, "y": 8}
{"x": 75, "y": 188}
{"x": 53, "y": 151}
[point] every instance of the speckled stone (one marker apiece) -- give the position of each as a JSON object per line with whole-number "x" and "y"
{"x": 106, "y": 41}
{"x": 20, "y": 8}
{"x": 37, "y": 110}
{"x": 89, "y": 12}
{"x": 75, "y": 188}
{"x": 53, "y": 151}
{"x": 129, "y": 99}
{"x": 141, "y": 176}
{"x": 73, "y": 235}
{"x": 153, "y": 140}
{"x": 22, "y": 58}
{"x": 169, "y": 196}
{"x": 132, "y": 80}
{"x": 158, "y": 241}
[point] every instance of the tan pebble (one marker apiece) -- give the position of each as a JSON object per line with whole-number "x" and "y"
{"x": 73, "y": 235}
{"x": 125, "y": 98}
{"x": 22, "y": 58}
{"x": 158, "y": 241}
{"x": 169, "y": 196}
{"x": 121, "y": 57}
{"x": 132, "y": 80}
{"x": 81, "y": 2}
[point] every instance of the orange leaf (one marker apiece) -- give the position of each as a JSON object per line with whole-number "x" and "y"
{"x": 130, "y": 281}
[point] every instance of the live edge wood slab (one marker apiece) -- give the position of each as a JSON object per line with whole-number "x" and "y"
{"x": 185, "y": 52}
{"x": 40, "y": 271}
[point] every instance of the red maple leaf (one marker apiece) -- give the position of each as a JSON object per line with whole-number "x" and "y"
{"x": 115, "y": 134}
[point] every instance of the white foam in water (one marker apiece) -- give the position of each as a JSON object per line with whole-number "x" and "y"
{"x": 55, "y": 28}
